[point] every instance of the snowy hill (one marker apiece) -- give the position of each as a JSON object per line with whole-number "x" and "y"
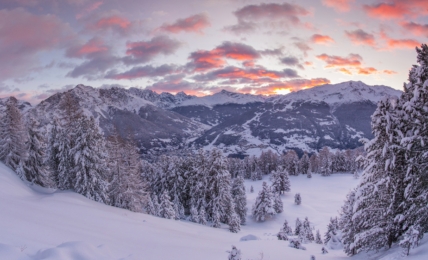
{"x": 341, "y": 93}
{"x": 42, "y": 224}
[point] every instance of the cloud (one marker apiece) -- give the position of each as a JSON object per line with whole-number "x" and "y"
{"x": 144, "y": 71}
{"x": 23, "y": 35}
{"x": 93, "y": 46}
{"x": 291, "y": 61}
{"x": 352, "y": 60}
{"x": 416, "y": 28}
{"x": 195, "y": 23}
{"x": 302, "y": 46}
{"x": 361, "y": 37}
{"x": 248, "y": 15}
{"x": 216, "y": 58}
{"x": 113, "y": 23}
{"x": 145, "y": 51}
{"x": 367, "y": 71}
{"x": 258, "y": 74}
{"x": 338, "y": 5}
{"x": 95, "y": 67}
{"x": 89, "y": 9}
{"x": 392, "y": 43}
{"x": 321, "y": 39}
{"x": 389, "y": 72}
{"x": 397, "y": 9}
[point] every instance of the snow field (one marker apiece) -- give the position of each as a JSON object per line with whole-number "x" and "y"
{"x": 45, "y": 225}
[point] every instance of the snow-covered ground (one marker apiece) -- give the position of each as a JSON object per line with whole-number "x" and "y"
{"x": 65, "y": 225}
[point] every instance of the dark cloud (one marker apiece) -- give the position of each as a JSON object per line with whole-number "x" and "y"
{"x": 95, "y": 67}
{"x": 361, "y": 37}
{"x": 291, "y": 61}
{"x": 144, "y": 71}
{"x": 145, "y": 51}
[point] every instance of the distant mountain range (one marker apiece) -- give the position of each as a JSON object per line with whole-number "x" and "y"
{"x": 336, "y": 115}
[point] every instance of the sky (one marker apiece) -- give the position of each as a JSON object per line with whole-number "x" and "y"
{"x": 203, "y": 46}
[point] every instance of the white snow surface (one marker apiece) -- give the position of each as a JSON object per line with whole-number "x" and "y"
{"x": 63, "y": 225}
{"x": 345, "y": 92}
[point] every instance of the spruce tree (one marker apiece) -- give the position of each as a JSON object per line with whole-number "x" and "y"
{"x": 298, "y": 228}
{"x": 34, "y": 167}
{"x": 166, "y": 207}
{"x": 304, "y": 164}
{"x": 240, "y": 198}
{"x": 286, "y": 228}
{"x": 234, "y": 223}
{"x": 331, "y": 231}
{"x": 318, "y": 239}
{"x": 263, "y": 207}
{"x": 410, "y": 239}
{"x": 12, "y": 136}
{"x": 194, "y": 216}
{"x": 280, "y": 181}
{"x": 89, "y": 172}
{"x": 234, "y": 254}
{"x": 297, "y": 199}
{"x": 346, "y": 225}
{"x": 307, "y": 230}
{"x": 277, "y": 203}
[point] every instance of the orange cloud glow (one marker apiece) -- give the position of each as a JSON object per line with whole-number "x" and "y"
{"x": 321, "y": 39}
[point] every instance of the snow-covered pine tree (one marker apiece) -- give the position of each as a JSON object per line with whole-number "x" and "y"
{"x": 286, "y": 228}
{"x": 325, "y": 161}
{"x": 414, "y": 124}
{"x": 240, "y": 198}
{"x": 251, "y": 189}
{"x": 12, "y": 136}
{"x": 307, "y": 230}
{"x": 234, "y": 223}
{"x": 53, "y": 159}
{"x": 346, "y": 225}
{"x": 298, "y": 228}
{"x": 375, "y": 204}
{"x": 234, "y": 254}
{"x": 194, "y": 216}
{"x": 66, "y": 163}
{"x": 280, "y": 181}
{"x": 314, "y": 163}
{"x": 291, "y": 162}
{"x": 410, "y": 239}
{"x": 304, "y": 164}
{"x": 89, "y": 172}
{"x": 156, "y": 205}
{"x": 277, "y": 203}
{"x": 263, "y": 207}
{"x": 331, "y": 230}
{"x": 318, "y": 239}
{"x": 297, "y": 199}
{"x": 216, "y": 220}
{"x": 202, "y": 217}
{"x": 34, "y": 167}
{"x": 166, "y": 207}
{"x": 149, "y": 208}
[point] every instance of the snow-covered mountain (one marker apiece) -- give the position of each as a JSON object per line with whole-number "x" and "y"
{"x": 336, "y": 115}
{"x": 341, "y": 93}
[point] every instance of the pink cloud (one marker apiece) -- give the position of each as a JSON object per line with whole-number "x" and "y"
{"x": 194, "y": 23}
{"x": 143, "y": 72}
{"x": 416, "y": 28}
{"x": 339, "y": 5}
{"x": 397, "y": 9}
{"x": 95, "y": 45}
{"x": 352, "y": 60}
{"x": 392, "y": 43}
{"x": 89, "y": 9}
{"x": 321, "y": 39}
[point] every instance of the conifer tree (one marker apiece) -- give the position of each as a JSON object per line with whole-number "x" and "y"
{"x": 12, "y": 136}
{"x": 286, "y": 228}
{"x": 298, "y": 228}
{"x": 277, "y": 203}
{"x": 263, "y": 207}
{"x": 202, "y": 217}
{"x": 234, "y": 254}
{"x": 304, "y": 164}
{"x": 410, "y": 239}
{"x": 53, "y": 159}
{"x": 34, "y": 167}
{"x": 280, "y": 181}
{"x": 149, "y": 207}
{"x": 194, "y": 216}
{"x": 331, "y": 231}
{"x": 297, "y": 199}
{"x": 291, "y": 162}
{"x": 307, "y": 230}
{"x": 239, "y": 198}
{"x": 234, "y": 223}
{"x": 346, "y": 225}
{"x": 166, "y": 207}
{"x": 318, "y": 239}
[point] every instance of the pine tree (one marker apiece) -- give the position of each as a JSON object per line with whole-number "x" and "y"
{"x": 239, "y": 198}
{"x": 234, "y": 254}
{"x": 410, "y": 239}
{"x": 251, "y": 189}
{"x": 216, "y": 220}
{"x": 53, "y": 159}
{"x": 149, "y": 207}
{"x": 194, "y": 216}
{"x": 325, "y": 162}
{"x": 89, "y": 174}
{"x": 307, "y": 230}
{"x": 314, "y": 163}
{"x": 234, "y": 223}
{"x": 304, "y": 164}
{"x": 286, "y": 228}
{"x": 166, "y": 207}
{"x": 347, "y": 226}
{"x": 298, "y": 228}
{"x": 291, "y": 162}
{"x": 12, "y": 136}
{"x": 66, "y": 161}
{"x": 280, "y": 181}
{"x": 318, "y": 239}
{"x": 277, "y": 203}
{"x": 34, "y": 167}
{"x": 263, "y": 207}
{"x": 297, "y": 199}
{"x": 331, "y": 231}
{"x": 202, "y": 217}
